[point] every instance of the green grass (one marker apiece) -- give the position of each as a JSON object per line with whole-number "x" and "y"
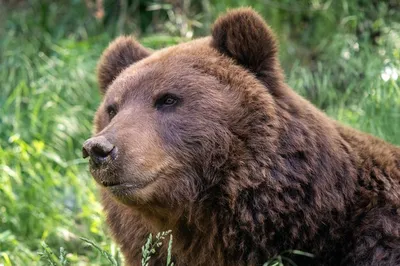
{"x": 351, "y": 89}
{"x": 49, "y": 96}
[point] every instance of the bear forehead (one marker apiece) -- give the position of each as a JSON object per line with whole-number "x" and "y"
{"x": 180, "y": 66}
{"x": 177, "y": 59}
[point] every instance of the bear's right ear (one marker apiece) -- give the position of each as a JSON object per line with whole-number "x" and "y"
{"x": 243, "y": 35}
{"x": 120, "y": 54}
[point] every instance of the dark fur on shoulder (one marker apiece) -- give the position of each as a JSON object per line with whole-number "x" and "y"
{"x": 211, "y": 143}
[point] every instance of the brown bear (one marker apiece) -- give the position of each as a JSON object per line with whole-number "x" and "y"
{"x": 206, "y": 139}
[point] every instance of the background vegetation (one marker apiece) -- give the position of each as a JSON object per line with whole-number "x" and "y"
{"x": 342, "y": 55}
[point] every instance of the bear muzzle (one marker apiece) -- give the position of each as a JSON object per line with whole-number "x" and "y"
{"x": 100, "y": 150}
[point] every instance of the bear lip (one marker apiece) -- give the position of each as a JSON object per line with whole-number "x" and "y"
{"x": 115, "y": 187}
{"x": 120, "y": 186}
{"x": 121, "y": 190}
{"x": 110, "y": 184}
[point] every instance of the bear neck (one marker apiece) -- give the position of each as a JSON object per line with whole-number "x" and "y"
{"x": 296, "y": 180}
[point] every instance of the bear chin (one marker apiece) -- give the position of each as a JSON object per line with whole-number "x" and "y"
{"x": 128, "y": 193}
{"x": 128, "y": 190}
{"x": 125, "y": 193}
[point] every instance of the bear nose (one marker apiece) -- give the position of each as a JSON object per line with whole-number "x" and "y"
{"x": 98, "y": 148}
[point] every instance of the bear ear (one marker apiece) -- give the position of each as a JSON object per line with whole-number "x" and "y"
{"x": 243, "y": 35}
{"x": 120, "y": 54}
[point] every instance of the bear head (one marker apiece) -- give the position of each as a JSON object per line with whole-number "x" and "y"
{"x": 176, "y": 123}
{"x": 171, "y": 120}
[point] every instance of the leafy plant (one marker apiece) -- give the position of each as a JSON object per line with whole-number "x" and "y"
{"x": 51, "y": 259}
{"x": 114, "y": 260}
{"x": 151, "y": 245}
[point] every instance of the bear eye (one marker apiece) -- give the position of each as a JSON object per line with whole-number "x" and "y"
{"x": 167, "y": 100}
{"x": 111, "y": 111}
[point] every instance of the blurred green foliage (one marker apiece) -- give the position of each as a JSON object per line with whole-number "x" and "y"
{"x": 342, "y": 55}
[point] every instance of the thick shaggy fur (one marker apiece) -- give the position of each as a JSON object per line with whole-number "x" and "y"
{"x": 242, "y": 168}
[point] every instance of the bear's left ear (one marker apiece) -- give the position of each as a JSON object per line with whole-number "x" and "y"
{"x": 243, "y": 35}
{"x": 120, "y": 54}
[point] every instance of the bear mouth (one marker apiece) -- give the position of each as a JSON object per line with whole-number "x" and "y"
{"x": 112, "y": 184}
{"x": 122, "y": 190}
{"x": 120, "y": 187}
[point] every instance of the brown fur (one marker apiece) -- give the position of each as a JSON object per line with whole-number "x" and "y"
{"x": 119, "y": 55}
{"x": 242, "y": 168}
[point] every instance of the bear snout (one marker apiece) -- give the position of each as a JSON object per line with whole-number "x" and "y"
{"x": 99, "y": 149}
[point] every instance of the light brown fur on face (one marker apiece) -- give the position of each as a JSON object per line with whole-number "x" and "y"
{"x": 206, "y": 139}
